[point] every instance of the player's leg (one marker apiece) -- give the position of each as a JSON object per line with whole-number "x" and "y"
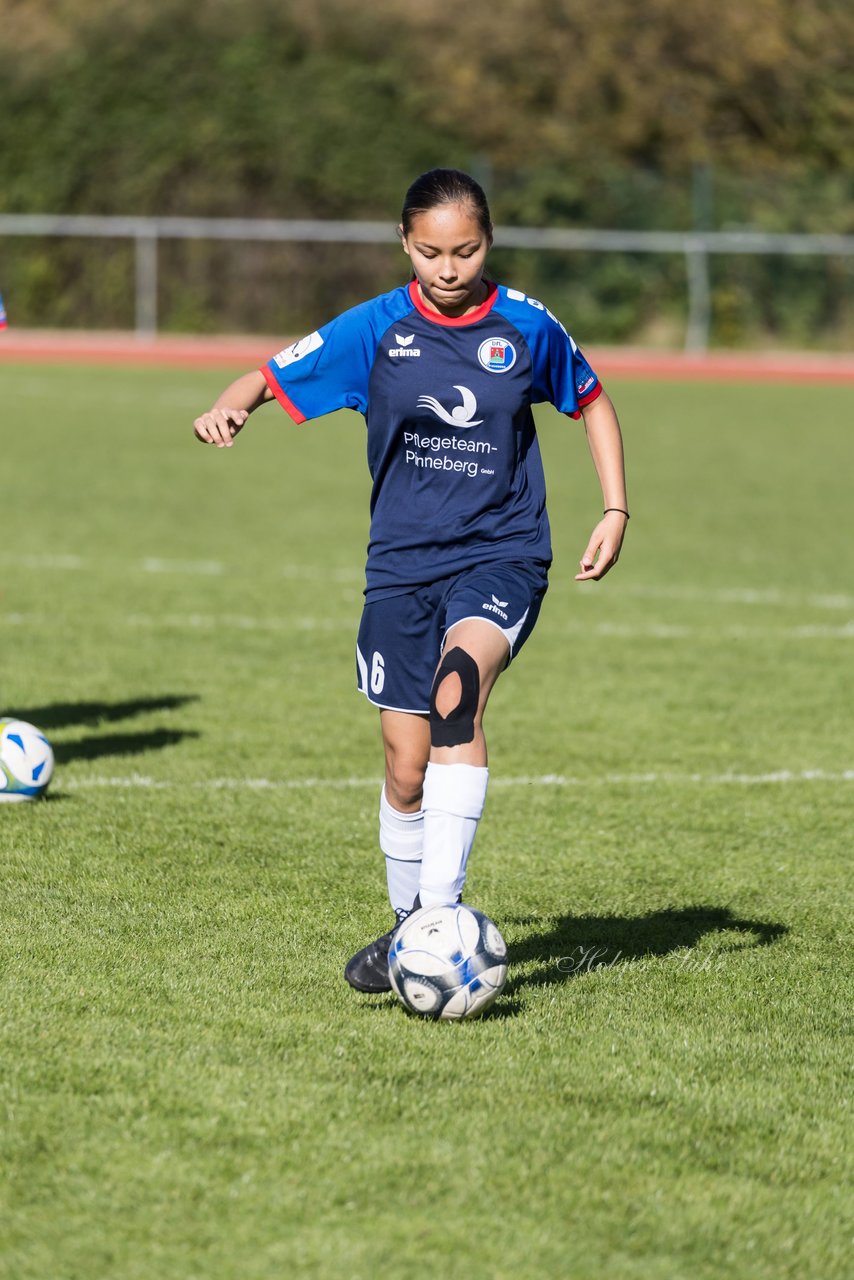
{"x": 434, "y": 717}
{"x": 406, "y": 743}
{"x": 475, "y": 654}
{"x": 398, "y": 640}
{"x": 490, "y": 613}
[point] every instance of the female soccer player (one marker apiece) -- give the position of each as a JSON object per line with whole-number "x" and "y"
{"x": 445, "y": 370}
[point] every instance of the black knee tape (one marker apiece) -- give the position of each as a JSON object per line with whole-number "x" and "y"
{"x": 457, "y": 727}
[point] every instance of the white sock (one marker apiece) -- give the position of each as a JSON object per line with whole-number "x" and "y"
{"x": 454, "y": 795}
{"x": 401, "y": 840}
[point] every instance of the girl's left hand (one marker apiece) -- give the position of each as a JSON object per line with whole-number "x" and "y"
{"x": 603, "y": 549}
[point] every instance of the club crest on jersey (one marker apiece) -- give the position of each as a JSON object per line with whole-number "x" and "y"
{"x": 497, "y": 355}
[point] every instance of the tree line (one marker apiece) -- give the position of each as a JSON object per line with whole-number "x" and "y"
{"x": 573, "y": 112}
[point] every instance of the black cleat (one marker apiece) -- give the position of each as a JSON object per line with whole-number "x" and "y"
{"x": 367, "y": 970}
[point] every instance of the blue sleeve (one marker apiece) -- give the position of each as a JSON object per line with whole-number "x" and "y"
{"x": 568, "y": 380}
{"x": 326, "y": 371}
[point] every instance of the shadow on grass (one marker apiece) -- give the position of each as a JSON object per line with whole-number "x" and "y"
{"x": 59, "y": 715}
{"x": 95, "y": 715}
{"x": 120, "y": 744}
{"x": 503, "y": 1008}
{"x": 576, "y": 945}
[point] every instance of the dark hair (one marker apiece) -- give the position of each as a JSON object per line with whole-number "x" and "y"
{"x": 445, "y": 186}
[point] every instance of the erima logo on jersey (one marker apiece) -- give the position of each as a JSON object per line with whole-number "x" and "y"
{"x": 299, "y": 349}
{"x": 404, "y": 346}
{"x": 496, "y": 355}
{"x": 462, "y": 415}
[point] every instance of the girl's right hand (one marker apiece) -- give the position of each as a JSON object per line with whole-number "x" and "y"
{"x": 220, "y": 426}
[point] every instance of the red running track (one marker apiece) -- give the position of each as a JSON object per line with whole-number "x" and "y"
{"x": 77, "y": 346}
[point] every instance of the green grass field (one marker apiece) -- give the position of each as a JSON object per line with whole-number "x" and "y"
{"x": 187, "y": 1087}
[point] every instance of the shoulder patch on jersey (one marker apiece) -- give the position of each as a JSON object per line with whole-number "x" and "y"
{"x": 298, "y": 350}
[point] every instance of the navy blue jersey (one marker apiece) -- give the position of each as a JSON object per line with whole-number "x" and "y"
{"x": 452, "y": 451}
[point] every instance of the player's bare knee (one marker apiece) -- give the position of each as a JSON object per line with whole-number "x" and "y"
{"x": 454, "y": 700}
{"x": 447, "y": 694}
{"x": 404, "y": 783}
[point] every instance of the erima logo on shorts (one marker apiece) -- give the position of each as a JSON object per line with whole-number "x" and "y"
{"x": 404, "y": 347}
{"x": 299, "y": 349}
{"x": 497, "y": 606}
{"x": 462, "y": 415}
{"x": 496, "y": 355}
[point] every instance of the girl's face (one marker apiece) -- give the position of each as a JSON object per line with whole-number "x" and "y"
{"x": 448, "y": 249}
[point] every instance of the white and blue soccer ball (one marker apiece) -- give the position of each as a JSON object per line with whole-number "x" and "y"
{"x": 448, "y": 962}
{"x": 26, "y": 761}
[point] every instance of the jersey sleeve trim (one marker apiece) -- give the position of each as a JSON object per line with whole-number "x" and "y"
{"x": 588, "y": 399}
{"x": 284, "y": 400}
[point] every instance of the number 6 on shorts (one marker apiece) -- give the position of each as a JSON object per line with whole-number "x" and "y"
{"x": 377, "y": 672}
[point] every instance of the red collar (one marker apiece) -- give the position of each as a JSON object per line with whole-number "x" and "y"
{"x": 453, "y": 321}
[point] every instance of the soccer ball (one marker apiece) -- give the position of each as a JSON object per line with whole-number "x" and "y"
{"x": 447, "y": 962}
{"x": 26, "y": 761}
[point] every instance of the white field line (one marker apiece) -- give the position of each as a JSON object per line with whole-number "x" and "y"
{"x": 666, "y": 631}
{"x": 148, "y": 564}
{"x": 288, "y": 626}
{"x": 206, "y": 568}
{"x": 768, "y": 597}
{"x": 63, "y": 563}
{"x": 233, "y": 622}
{"x": 186, "y": 568}
{"x": 779, "y": 777}
{"x": 737, "y": 595}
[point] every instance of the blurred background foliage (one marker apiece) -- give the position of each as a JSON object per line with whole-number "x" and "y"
{"x": 675, "y": 114}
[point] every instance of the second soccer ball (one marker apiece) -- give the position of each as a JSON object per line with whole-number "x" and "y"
{"x": 26, "y": 761}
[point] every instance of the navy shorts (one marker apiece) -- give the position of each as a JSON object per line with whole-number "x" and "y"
{"x": 401, "y": 637}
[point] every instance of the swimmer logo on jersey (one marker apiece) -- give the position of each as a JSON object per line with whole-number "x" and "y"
{"x": 462, "y": 415}
{"x": 496, "y": 355}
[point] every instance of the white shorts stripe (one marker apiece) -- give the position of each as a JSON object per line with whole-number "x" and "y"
{"x": 511, "y": 634}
